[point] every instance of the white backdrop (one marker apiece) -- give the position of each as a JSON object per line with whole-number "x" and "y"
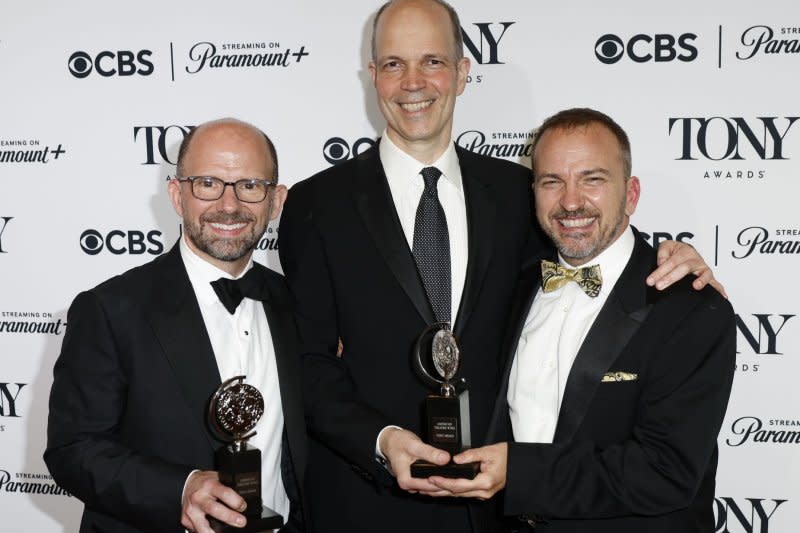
{"x": 96, "y": 96}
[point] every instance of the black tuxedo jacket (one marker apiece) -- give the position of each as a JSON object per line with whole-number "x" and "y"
{"x": 128, "y": 407}
{"x": 353, "y": 275}
{"x": 637, "y": 455}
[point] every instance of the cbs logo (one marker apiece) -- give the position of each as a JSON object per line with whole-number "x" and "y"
{"x": 119, "y": 242}
{"x": 337, "y": 150}
{"x": 107, "y": 64}
{"x": 642, "y": 48}
{"x": 658, "y": 236}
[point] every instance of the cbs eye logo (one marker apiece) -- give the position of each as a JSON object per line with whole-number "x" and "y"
{"x": 641, "y": 48}
{"x": 121, "y": 63}
{"x": 118, "y": 242}
{"x": 336, "y": 150}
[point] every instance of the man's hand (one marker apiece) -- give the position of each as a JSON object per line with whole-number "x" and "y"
{"x": 491, "y": 478}
{"x": 205, "y": 495}
{"x": 401, "y": 448}
{"x": 675, "y": 261}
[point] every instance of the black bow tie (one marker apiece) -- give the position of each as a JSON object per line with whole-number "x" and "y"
{"x": 232, "y": 291}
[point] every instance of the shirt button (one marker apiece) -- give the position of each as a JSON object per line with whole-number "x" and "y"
{"x": 246, "y": 332}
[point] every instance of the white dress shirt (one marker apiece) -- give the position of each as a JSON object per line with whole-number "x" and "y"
{"x": 556, "y": 326}
{"x": 242, "y": 345}
{"x": 406, "y": 185}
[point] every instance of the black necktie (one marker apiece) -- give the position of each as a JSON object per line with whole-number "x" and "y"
{"x": 432, "y": 246}
{"x": 232, "y": 291}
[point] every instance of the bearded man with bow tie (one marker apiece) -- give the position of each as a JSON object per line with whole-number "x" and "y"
{"x": 613, "y": 393}
{"x": 144, "y": 352}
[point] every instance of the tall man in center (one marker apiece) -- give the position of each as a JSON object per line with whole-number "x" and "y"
{"x": 411, "y": 232}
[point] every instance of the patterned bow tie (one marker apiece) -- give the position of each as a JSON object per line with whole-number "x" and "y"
{"x": 555, "y": 276}
{"x": 231, "y": 292}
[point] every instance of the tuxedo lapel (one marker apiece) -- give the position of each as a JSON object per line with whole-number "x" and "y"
{"x": 178, "y": 325}
{"x": 374, "y": 203}
{"x": 480, "y": 204}
{"x": 615, "y": 325}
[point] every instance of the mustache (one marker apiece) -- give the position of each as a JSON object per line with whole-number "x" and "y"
{"x": 578, "y": 213}
{"x": 228, "y": 218}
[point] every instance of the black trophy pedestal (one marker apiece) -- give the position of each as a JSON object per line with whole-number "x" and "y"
{"x": 451, "y": 470}
{"x": 241, "y": 470}
{"x": 268, "y": 520}
{"x": 448, "y": 429}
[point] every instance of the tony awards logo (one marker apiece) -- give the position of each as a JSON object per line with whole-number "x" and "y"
{"x": 234, "y": 411}
{"x": 446, "y": 413}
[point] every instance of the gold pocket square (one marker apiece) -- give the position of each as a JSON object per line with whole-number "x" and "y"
{"x": 610, "y": 377}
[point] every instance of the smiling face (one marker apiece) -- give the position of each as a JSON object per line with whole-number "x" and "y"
{"x": 225, "y": 231}
{"x": 417, "y": 74}
{"x": 583, "y": 199}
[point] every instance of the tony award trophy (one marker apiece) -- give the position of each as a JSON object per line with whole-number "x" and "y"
{"x": 446, "y": 413}
{"x": 234, "y": 410}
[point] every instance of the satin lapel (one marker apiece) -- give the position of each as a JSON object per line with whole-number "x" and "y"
{"x": 374, "y": 204}
{"x": 179, "y": 328}
{"x": 615, "y": 325}
{"x": 287, "y": 358}
{"x": 480, "y": 202}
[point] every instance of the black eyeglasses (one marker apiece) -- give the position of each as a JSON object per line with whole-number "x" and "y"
{"x": 210, "y": 188}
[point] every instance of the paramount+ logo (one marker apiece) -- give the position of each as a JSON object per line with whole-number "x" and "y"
{"x": 644, "y": 48}
{"x": 111, "y": 63}
{"x": 119, "y": 242}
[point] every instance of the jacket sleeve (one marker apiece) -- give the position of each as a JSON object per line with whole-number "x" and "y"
{"x": 85, "y": 453}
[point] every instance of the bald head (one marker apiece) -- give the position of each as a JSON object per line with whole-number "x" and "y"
{"x": 222, "y": 127}
{"x": 455, "y": 24}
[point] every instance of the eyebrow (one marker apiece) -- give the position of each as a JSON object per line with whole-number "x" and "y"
{"x": 587, "y": 172}
{"x": 598, "y": 170}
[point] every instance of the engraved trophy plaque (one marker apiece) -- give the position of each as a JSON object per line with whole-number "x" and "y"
{"x": 446, "y": 413}
{"x": 234, "y": 411}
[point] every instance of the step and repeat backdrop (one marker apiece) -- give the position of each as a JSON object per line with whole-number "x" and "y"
{"x": 96, "y": 96}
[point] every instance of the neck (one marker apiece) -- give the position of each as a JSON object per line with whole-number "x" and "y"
{"x": 424, "y": 151}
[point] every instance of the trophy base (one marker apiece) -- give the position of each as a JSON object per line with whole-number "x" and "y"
{"x": 268, "y": 520}
{"x": 451, "y": 470}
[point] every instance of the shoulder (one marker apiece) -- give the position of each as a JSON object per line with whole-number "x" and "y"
{"x": 140, "y": 284}
{"x": 688, "y": 305}
{"x": 337, "y": 176}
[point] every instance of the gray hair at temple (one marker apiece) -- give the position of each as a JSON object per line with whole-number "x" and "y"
{"x": 187, "y": 140}
{"x": 455, "y": 27}
{"x": 583, "y": 116}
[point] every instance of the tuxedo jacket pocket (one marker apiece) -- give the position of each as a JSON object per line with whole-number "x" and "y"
{"x": 619, "y": 377}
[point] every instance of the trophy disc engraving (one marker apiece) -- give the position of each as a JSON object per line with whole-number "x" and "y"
{"x": 237, "y": 409}
{"x": 447, "y": 413}
{"x": 234, "y": 410}
{"x": 445, "y": 354}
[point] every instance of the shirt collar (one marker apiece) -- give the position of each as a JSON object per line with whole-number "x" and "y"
{"x": 399, "y": 165}
{"x": 202, "y": 273}
{"x": 612, "y": 260}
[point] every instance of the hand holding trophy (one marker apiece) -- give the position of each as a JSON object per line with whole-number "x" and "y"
{"x": 446, "y": 413}
{"x": 234, "y": 410}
